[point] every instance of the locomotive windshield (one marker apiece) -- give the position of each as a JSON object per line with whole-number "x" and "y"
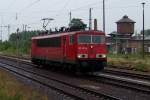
{"x": 84, "y": 39}
{"x": 91, "y": 39}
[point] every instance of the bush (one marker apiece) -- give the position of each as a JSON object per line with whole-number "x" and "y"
{"x": 141, "y": 67}
{"x": 130, "y": 62}
{"x": 9, "y": 47}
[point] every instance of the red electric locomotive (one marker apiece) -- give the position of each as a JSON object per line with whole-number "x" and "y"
{"x": 85, "y": 51}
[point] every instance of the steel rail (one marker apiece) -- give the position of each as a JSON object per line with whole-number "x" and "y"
{"x": 135, "y": 81}
{"x": 108, "y": 69}
{"x": 40, "y": 82}
{"x": 87, "y": 91}
{"x": 133, "y": 74}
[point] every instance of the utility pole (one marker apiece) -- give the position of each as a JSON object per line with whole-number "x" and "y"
{"x": 16, "y": 16}
{"x": 8, "y": 31}
{"x": 90, "y": 19}
{"x": 17, "y": 46}
{"x": 1, "y": 33}
{"x": 143, "y": 4}
{"x": 8, "y": 28}
{"x": 70, "y": 16}
{"x": 23, "y": 27}
{"x": 1, "y": 28}
{"x": 25, "y": 31}
{"x": 103, "y": 15}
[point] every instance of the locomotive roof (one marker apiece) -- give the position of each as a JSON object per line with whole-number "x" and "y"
{"x": 62, "y": 34}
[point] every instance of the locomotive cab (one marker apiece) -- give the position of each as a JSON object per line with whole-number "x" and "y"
{"x": 91, "y": 51}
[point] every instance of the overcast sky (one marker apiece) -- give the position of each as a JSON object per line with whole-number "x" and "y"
{"x": 31, "y": 12}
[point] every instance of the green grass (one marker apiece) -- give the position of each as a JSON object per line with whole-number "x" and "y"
{"x": 141, "y": 67}
{"x": 12, "y": 89}
{"x": 5, "y": 96}
{"x": 130, "y": 62}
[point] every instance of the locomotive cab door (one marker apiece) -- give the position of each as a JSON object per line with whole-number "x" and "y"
{"x": 64, "y": 48}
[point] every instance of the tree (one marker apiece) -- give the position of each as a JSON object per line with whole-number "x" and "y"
{"x": 77, "y": 24}
{"x": 146, "y": 32}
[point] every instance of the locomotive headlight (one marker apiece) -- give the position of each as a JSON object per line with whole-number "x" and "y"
{"x": 82, "y": 56}
{"x": 104, "y": 56}
{"x": 101, "y": 56}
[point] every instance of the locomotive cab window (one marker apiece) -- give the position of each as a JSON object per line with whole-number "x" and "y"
{"x": 98, "y": 39}
{"x": 89, "y": 39}
{"x": 84, "y": 39}
{"x": 72, "y": 39}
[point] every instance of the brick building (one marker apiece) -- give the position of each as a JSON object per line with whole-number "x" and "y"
{"x": 123, "y": 40}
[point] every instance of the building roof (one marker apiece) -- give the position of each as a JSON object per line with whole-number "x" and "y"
{"x": 118, "y": 34}
{"x": 125, "y": 19}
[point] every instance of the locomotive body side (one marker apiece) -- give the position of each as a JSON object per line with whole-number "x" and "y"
{"x": 52, "y": 48}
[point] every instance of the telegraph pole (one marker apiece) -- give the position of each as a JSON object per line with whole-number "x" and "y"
{"x": 90, "y": 19}
{"x": 143, "y": 4}
{"x": 103, "y": 15}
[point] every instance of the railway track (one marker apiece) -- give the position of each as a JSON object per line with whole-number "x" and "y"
{"x": 125, "y": 82}
{"x": 129, "y": 79}
{"x": 70, "y": 91}
{"x": 128, "y": 73}
{"x": 110, "y": 69}
{"x": 132, "y": 81}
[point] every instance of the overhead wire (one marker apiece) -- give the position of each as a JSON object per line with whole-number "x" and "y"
{"x": 60, "y": 12}
{"x": 82, "y": 8}
{"x": 79, "y": 8}
{"x": 11, "y": 4}
{"x": 30, "y": 5}
{"x": 64, "y": 6}
{"x": 25, "y": 8}
{"x": 76, "y": 9}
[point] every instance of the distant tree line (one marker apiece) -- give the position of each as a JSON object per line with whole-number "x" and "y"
{"x": 9, "y": 46}
{"x": 147, "y": 32}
